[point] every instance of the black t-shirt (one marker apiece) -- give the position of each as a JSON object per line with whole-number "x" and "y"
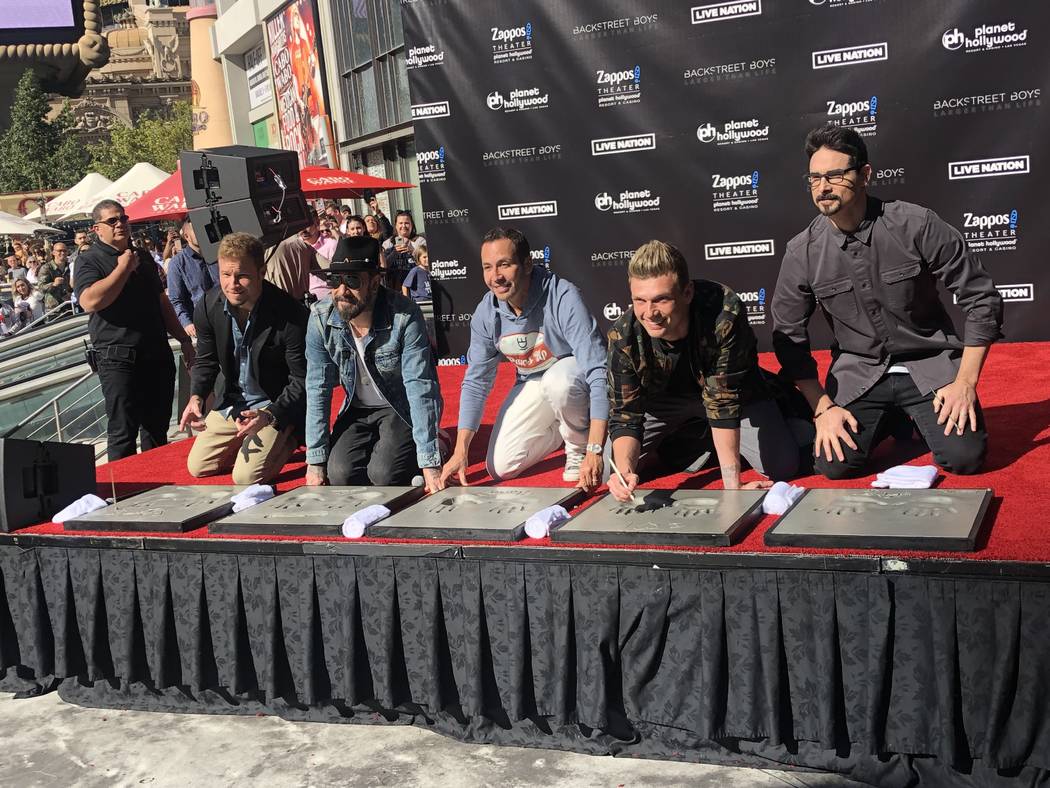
{"x": 134, "y": 318}
{"x": 683, "y": 378}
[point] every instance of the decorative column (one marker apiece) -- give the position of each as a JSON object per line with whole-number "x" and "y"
{"x": 211, "y": 109}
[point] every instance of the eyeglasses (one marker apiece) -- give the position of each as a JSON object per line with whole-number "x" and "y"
{"x": 833, "y": 177}
{"x": 334, "y": 281}
{"x": 113, "y": 221}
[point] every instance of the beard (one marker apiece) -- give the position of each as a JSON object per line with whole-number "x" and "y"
{"x": 350, "y": 307}
{"x": 829, "y": 205}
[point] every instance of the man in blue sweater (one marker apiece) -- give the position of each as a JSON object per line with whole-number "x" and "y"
{"x": 539, "y": 323}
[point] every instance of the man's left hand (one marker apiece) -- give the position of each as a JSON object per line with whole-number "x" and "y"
{"x": 189, "y": 353}
{"x": 591, "y": 472}
{"x": 956, "y": 405}
{"x": 432, "y": 480}
{"x": 251, "y": 421}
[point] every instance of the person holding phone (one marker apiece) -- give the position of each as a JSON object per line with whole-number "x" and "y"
{"x": 399, "y": 250}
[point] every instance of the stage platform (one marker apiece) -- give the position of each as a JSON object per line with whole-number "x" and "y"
{"x": 894, "y": 667}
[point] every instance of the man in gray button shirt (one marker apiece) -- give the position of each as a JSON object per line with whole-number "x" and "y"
{"x": 872, "y": 266}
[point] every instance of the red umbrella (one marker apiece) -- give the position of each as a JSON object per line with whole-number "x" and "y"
{"x": 327, "y": 182}
{"x": 164, "y": 201}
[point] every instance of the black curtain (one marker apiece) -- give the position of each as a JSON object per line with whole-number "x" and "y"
{"x": 893, "y": 679}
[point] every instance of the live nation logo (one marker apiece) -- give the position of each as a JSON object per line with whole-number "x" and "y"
{"x": 628, "y": 201}
{"x": 985, "y": 38}
{"x": 733, "y": 132}
{"x": 987, "y": 102}
{"x": 528, "y": 210}
{"x": 632, "y": 143}
{"x": 735, "y": 249}
{"x": 435, "y": 109}
{"x": 850, "y": 56}
{"x": 861, "y": 115}
{"x": 734, "y": 192}
{"x": 755, "y": 306}
{"x": 512, "y": 44}
{"x": 524, "y": 155}
{"x": 988, "y": 168}
{"x": 991, "y": 232}
{"x": 719, "y": 12}
{"x": 617, "y": 88}
{"x": 725, "y": 72}
{"x": 431, "y": 164}
{"x": 447, "y": 216}
{"x": 1022, "y": 292}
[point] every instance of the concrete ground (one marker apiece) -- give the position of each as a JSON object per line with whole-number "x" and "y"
{"x": 47, "y": 742}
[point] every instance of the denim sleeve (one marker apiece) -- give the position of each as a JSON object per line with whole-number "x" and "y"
{"x": 421, "y": 387}
{"x": 322, "y": 375}
{"x": 482, "y": 361}
{"x": 793, "y": 305}
{"x": 178, "y": 293}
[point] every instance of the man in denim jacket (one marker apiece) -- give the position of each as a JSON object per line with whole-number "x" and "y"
{"x": 373, "y": 342}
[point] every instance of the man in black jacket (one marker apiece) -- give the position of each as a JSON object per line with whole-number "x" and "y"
{"x": 254, "y": 333}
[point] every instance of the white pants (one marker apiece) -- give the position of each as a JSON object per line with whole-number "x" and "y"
{"x": 538, "y": 416}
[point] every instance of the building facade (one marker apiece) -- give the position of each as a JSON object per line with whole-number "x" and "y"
{"x": 360, "y": 59}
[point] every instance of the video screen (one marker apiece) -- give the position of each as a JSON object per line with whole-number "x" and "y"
{"x": 43, "y": 13}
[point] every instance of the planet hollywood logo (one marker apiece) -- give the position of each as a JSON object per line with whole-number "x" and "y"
{"x": 628, "y": 201}
{"x": 435, "y": 109}
{"x": 541, "y": 256}
{"x": 540, "y": 209}
{"x": 988, "y": 168}
{"x": 431, "y": 165}
{"x": 424, "y": 56}
{"x": 850, "y": 56}
{"x": 985, "y": 38}
{"x": 719, "y": 12}
{"x": 518, "y": 100}
{"x": 733, "y": 132}
{"x": 887, "y": 176}
{"x": 612, "y": 311}
{"x": 611, "y": 259}
{"x": 860, "y": 115}
{"x": 631, "y": 143}
{"x": 838, "y": 3}
{"x": 725, "y": 72}
{"x": 734, "y": 192}
{"x": 447, "y": 216}
{"x": 755, "y": 306}
{"x": 617, "y": 88}
{"x": 448, "y": 270}
{"x": 738, "y": 249}
{"x": 524, "y": 155}
{"x": 512, "y": 44}
{"x": 618, "y": 26}
{"x": 987, "y": 102}
{"x": 994, "y": 232}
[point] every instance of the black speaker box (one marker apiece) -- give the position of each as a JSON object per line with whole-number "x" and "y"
{"x": 40, "y": 478}
{"x": 270, "y": 219}
{"x": 237, "y": 172}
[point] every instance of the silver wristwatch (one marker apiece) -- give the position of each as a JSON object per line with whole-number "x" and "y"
{"x": 595, "y": 448}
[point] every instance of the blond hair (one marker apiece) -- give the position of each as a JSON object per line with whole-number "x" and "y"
{"x": 243, "y": 248}
{"x": 657, "y": 258}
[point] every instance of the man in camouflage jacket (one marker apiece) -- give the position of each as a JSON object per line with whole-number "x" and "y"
{"x": 684, "y": 380}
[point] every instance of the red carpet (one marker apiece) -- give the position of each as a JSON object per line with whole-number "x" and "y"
{"x": 1014, "y": 390}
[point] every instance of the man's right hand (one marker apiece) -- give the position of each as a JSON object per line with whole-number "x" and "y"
{"x": 619, "y": 490}
{"x": 128, "y": 259}
{"x": 832, "y": 433}
{"x": 191, "y": 330}
{"x": 316, "y": 476}
{"x": 456, "y": 466}
{"x": 192, "y": 416}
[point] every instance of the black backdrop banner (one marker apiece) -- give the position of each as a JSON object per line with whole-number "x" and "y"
{"x": 593, "y": 127}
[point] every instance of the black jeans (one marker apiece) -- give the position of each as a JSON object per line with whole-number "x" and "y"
{"x": 371, "y": 446}
{"x": 962, "y": 454}
{"x": 138, "y": 389}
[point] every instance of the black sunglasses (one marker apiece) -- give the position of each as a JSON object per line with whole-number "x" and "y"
{"x": 113, "y": 221}
{"x": 334, "y": 281}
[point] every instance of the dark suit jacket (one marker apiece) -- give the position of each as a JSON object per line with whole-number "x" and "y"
{"x": 277, "y": 353}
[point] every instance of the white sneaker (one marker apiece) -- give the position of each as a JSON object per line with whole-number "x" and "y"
{"x": 573, "y": 461}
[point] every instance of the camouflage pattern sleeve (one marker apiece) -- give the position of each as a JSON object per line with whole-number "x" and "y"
{"x": 626, "y": 403}
{"x": 732, "y": 364}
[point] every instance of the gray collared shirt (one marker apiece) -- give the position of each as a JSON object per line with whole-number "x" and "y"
{"x": 878, "y": 289}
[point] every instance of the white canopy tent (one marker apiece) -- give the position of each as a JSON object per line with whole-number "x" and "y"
{"x": 125, "y": 190}
{"x": 16, "y": 225}
{"x": 92, "y": 183}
